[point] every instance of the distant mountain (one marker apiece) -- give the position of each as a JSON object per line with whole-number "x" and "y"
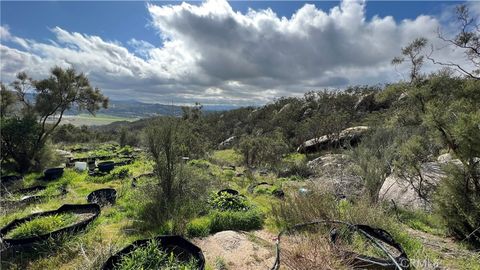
{"x": 137, "y": 109}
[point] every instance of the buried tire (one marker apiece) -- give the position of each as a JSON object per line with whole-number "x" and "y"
{"x": 178, "y": 245}
{"x": 93, "y": 209}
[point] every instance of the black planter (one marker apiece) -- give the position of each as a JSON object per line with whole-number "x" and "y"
{"x": 66, "y": 208}
{"x": 229, "y": 191}
{"x": 103, "y": 196}
{"x": 106, "y": 166}
{"x": 181, "y": 247}
{"x": 52, "y": 174}
{"x": 10, "y": 179}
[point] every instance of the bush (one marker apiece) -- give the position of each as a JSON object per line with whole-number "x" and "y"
{"x": 298, "y": 169}
{"x": 235, "y": 220}
{"x": 459, "y": 208}
{"x": 228, "y": 202}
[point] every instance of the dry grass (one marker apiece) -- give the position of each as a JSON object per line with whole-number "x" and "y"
{"x": 302, "y": 251}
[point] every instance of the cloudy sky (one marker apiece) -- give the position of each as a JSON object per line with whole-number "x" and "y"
{"x": 218, "y": 52}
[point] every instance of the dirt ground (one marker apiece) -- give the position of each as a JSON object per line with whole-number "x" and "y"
{"x": 239, "y": 250}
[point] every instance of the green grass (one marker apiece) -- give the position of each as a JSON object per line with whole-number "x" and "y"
{"x": 227, "y": 157}
{"x": 42, "y": 225}
{"x": 90, "y": 120}
{"x": 151, "y": 257}
{"x": 235, "y": 220}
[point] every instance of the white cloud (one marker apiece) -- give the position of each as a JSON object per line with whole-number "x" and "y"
{"x": 213, "y": 54}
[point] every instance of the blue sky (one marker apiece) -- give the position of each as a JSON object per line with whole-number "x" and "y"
{"x": 189, "y": 60}
{"x": 123, "y": 20}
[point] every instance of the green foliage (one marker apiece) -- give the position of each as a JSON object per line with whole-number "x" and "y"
{"x": 372, "y": 160}
{"x": 42, "y": 225}
{"x": 235, "y": 220}
{"x": 53, "y": 96}
{"x": 120, "y": 173}
{"x": 7, "y": 99}
{"x": 266, "y": 151}
{"x": 227, "y": 157}
{"x": 151, "y": 257}
{"x": 19, "y": 141}
{"x": 199, "y": 227}
{"x": 459, "y": 205}
{"x": 228, "y": 202}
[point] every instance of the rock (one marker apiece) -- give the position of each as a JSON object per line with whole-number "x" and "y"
{"x": 350, "y": 136}
{"x": 331, "y": 172}
{"x": 399, "y": 189}
{"x": 285, "y": 108}
{"x": 307, "y": 113}
{"x": 444, "y": 158}
{"x": 226, "y": 143}
{"x": 369, "y": 104}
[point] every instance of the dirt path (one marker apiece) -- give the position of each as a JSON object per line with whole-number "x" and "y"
{"x": 238, "y": 250}
{"x": 446, "y": 248}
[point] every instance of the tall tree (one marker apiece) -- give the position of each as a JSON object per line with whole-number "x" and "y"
{"x": 413, "y": 54}
{"x": 466, "y": 39}
{"x": 52, "y": 97}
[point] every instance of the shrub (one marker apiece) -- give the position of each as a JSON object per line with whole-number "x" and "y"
{"x": 298, "y": 169}
{"x": 459, "y": 208}
{"x": 235, "y": 220}
{"x": 228, "y": 202}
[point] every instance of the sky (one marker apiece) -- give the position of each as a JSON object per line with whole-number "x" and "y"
{"x": 219, "y": 52}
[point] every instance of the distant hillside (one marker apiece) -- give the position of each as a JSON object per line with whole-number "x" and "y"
{"x": 135, "y": 109}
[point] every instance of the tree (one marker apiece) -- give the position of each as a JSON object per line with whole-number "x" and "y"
{"x": 52, "y": 98}
{"x": 263, "y": 150}
{"x": 413, "y": 54}
{"x": 175, "y": 192}
{"x": 7, "y": 99}
{"x": 467, "y": 39}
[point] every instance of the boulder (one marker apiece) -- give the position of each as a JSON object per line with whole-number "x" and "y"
{"x": 350, "y": 136}
{"x": 399, "y": 189}
{"x": 367, "y": 103}
{"x": 332, "y": 173}
{"x": 226, "y": 143}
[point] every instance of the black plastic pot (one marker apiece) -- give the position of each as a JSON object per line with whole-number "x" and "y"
{"x": 103, "y": 196}
{"x": 15, "y": 204}
{"x": 124, "y": 162}
{"x": 181, "y": 247}
{"x": 229, "y": 191}
{"x": 9, "y": 179}
{"x": 66, "y": 208}
{"x": 252, "y": 187}
{"x": 30, "y": 190}
{"x": 52, "y": 174}
{"x": 106, "y": 166}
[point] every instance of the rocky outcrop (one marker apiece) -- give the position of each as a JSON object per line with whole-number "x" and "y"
{"x": 332, "y": 172}
{"x": 348, "y": 137}
{"x": 399, "y": 189}
{"x": 226, "y": 143}
{"x": 367, "y": 103}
